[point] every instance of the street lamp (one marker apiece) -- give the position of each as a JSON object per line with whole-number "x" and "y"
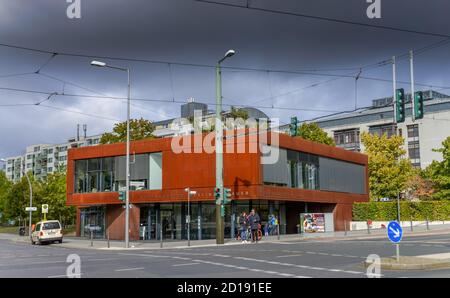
{"x": 127, "y": 191}
{"x": 219, "y": 148}
{"x": 188, "y": 219}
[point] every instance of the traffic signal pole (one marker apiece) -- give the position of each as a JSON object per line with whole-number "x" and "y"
{"x": 411, "y": 66}
{"x": 219, "y": 157}
{"x": 394, "y": 85}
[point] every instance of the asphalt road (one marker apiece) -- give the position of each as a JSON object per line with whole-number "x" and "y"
{"x": 312, "y": 258}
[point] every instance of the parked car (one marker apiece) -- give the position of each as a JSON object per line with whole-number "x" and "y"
{"x": 46, "y": 232}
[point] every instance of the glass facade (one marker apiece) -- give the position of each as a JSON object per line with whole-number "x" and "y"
{"x": 93, "y": 219}
{"x": 169, "y": 219}
{"x": 308, "y": 171}
{"x": 108, "y": 173}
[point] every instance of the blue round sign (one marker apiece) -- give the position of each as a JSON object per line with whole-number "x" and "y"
{"x": 394, "y": 232}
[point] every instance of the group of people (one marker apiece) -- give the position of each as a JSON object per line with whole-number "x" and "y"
{"x": 250, "y": 226}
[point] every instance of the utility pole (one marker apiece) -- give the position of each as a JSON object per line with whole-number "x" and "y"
{"x": 219, "y": 150}
{"x": 394, "y": 85}
{"x": 411, "y": 66}
{"x": 31, "y": 203}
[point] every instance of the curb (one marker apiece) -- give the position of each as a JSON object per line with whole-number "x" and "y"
{"x": 416, "y": 264}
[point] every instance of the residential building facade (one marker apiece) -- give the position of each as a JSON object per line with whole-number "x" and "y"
{"x": 421, "y": 136}
{"x": 43, "y": 159}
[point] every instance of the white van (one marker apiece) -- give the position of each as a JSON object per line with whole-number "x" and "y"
{"x": 47, "y": 231}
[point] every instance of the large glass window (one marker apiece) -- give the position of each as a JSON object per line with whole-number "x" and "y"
{"x": 108, "y": 174}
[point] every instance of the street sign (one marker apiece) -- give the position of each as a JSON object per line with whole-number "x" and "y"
{"x": 394, "y": 232}
{"x": 44, "y": 208}
{"x": 30, "y": 208}
{"x": 188, "y": 218}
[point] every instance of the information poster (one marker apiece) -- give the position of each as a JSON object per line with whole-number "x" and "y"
{"x": 313, "y": 222}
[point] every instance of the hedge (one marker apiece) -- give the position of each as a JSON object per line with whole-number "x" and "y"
{"x": 384, "y": 211}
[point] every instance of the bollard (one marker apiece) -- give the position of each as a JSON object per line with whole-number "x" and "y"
{"x": 278, "y": 231}
{"x": 411, "y": 224}
{"x": 345, "y": 227}
{"x": 92, "y": 238}
{"x": 107, "y": 235}
{"x": 428, "y": 227}
{"x": 160, "y": 236}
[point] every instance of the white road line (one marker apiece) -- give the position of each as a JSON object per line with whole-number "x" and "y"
{"x": 58, "y": 276}
{"x": 129, "y": 269}
{"x": 298, "y": 266}
{"x": 185, "y": 264}
{"x": 250, "y": 269}
{"x": 287, "y": 256}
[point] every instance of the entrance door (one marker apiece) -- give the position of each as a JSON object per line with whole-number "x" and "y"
{"x": 168, "y": 224}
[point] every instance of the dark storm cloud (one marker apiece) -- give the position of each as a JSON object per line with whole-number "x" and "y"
{"x": 193, "y": 32}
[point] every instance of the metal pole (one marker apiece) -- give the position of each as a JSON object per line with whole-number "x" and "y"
{"x": 219, "y": 155}
{"x": 108, "y": 238}
{"x": 160, "y": 234}
{"x": 411, "y": 66}
{"x": 345, "y": 227}
{"x": 368, "y": 227}
{"x": 31, "y": 204}
{"x": 189, "y": 218}
{"x": 428, "y": 227}
{"x": 411, "y": 221}
{"x": 92, "y": 238}
{"x": 398, "y": 208}
{"x": 394, "y": 85}
{"x": 127, "y": 200}
{"x": 397, "y": 250}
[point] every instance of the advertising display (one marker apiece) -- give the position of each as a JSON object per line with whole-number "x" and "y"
{"x": 312, "y": 222}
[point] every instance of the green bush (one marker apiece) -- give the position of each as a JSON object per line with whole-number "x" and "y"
{"x": 384, "y": 211}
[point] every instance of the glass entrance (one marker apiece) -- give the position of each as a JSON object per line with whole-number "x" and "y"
{"x": 92, "y": 219}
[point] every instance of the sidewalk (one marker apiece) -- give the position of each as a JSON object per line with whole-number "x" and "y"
{"x": 101, "y": 244}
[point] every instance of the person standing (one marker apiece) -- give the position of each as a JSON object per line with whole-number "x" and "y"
{"x": 253, "y": 221}
{"x": 243, "y": 227}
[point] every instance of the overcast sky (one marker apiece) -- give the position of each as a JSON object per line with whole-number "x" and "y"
{"x": 198, "y": 33}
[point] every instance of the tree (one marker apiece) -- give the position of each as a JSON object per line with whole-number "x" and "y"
{"x": 439, "y": 172}
{"x": 313, "y": 132}
{"x": 139, "y": 129}
{"x": 238, "y": 113}
{"x": 5, "y": 187}
{"x": 53, "y": 193}
{"x": 419, "y": 186}
{"x": 388, "y": 169}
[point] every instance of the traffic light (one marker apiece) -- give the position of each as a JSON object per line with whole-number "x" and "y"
{"x": 293, "y": 127}
{"x": 400, "y": 105}
{"x": 217, "y": 194}
{"x": 418, "y": 105}
{"x": 226, "y": 195}
{"x": 122, "y": 195}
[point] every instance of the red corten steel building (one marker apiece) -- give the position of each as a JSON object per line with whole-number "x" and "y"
{"x": 306, "y": 178}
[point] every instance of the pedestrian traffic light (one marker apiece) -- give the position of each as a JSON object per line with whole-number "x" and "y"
{"x": 217, "y": 194}
{"x": 400, "y": 105}
{"x": 226, "y": 195}
{"x": 293, "y": 127}
{"x": 122, "y": 195}
{"x": 222, "y": 210}
{"x": 418, "y": 105}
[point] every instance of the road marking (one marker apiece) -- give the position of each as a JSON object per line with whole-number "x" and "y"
{"x": 185, "y": 264}
{"x": 251, "y": 269}
{"x": 62, "y": 275}
{"x": 298, "y": 266}
{"x": 129, "y": 269}
{"x": 288, "y": 256}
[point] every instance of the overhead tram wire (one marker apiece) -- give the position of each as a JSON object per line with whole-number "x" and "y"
{"x": 320, "y": 18}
